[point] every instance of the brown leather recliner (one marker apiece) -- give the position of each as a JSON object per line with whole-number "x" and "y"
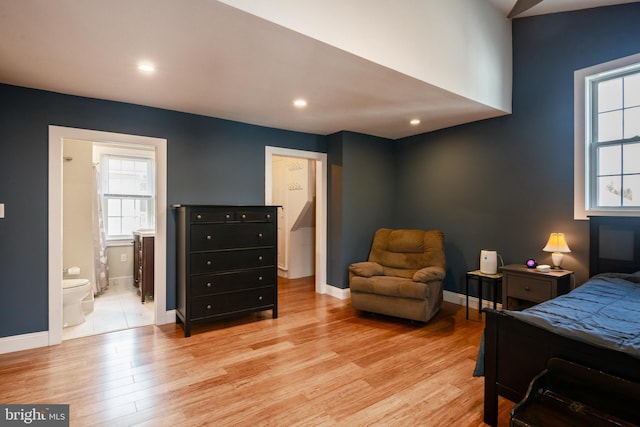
{"x": 403, "y": 276}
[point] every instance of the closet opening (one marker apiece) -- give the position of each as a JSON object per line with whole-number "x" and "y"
{"x": 297, "y": 180}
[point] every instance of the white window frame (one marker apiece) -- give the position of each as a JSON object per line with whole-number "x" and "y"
{"x": 582, "y": 126}
{"x": 102, "y": 151}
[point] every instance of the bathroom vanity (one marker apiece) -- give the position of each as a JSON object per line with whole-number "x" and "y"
{"x": 226, "y": 262}
{"x": 143, "y": 241}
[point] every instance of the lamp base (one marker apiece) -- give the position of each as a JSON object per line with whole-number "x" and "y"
{"x": 556, "y": 258}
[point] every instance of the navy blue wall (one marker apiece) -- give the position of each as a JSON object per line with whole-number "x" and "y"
{"x": 363, "y": 198}
{"x": 506, "y": 183}
{"x": 209, "y": 161}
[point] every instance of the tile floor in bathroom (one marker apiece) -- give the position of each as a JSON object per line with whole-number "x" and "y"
{"x": 116, "y": 309}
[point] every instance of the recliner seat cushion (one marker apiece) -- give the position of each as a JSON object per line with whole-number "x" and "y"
{"x": 390, "y": 286}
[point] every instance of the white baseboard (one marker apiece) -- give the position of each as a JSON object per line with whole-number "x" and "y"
{"x": 452, "y": 297}
{"x": 336, "y": 292}
{"x": 461, "y": 299}
{"x": 24, "y": 342}
{"x": 169, "y": 317}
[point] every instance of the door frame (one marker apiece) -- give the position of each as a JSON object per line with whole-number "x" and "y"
{"x": 56, "y": 136}
{"x": 321, "y": 203}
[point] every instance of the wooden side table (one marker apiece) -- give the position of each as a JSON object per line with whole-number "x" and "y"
{"x": 524, "y": 287}
{"x": 493, "y": 279}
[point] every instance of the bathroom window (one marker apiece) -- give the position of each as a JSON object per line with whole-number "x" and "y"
{"x": 128, "y": 195}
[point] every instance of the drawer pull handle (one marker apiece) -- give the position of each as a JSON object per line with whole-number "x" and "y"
{"x": 208, "y": 306}
{"x": 260, "y": 235}
{"x": 260, "y": 258}
{"x": 209, "y": 237}
{"x": 260, "y": 297}
{"x": 209, "y": 284}
{"x": 208, "y": 262}
{"x": 227, "y": 216}
{"x": 268, "y": 216}
{"x": 244, "y": 216}
{"x": 260, "y": 278}
{"x": 199, "y": 216}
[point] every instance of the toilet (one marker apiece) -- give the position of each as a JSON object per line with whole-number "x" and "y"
{"x": 77, "y": 300}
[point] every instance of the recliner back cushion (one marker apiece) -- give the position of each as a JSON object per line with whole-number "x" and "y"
{"x": 403, "y": 252}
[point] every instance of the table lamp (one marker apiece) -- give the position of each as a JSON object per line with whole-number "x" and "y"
{"x": 557, "y": 244}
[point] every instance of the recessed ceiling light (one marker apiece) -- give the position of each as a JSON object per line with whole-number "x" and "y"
{"x": 414, "y": 122}
{"x": 146, "y": 67}
{"x": 300, "y": 103}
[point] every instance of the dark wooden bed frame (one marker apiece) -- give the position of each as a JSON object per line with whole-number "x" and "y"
{"x": 515, "y": 352}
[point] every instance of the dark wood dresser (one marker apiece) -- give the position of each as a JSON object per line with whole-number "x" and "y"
{"x": 143, "y": 263}
{"x": 226, "y": 262}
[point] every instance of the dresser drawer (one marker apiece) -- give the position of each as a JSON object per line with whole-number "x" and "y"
{"x": 529, "y": 288}
{"x": 255, "y": 215}
{"x": 227, "y": 282}
{"x": 213, "y": 215}
{"x": 222, "y": 215}
{"x": 233, "y": 302}
{"x": 212, "y": 262}
{"x": 205, "y": 237}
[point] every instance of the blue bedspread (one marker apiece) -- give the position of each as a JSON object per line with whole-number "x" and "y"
{"x": 605, "y": 311}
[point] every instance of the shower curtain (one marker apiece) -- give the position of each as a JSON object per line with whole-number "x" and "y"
{"x": 99, "y": 239}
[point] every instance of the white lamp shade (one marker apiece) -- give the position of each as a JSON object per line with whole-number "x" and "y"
{"x": 557, "y": 243}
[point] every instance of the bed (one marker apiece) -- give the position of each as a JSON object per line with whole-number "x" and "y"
{"x": 516, "y": 347}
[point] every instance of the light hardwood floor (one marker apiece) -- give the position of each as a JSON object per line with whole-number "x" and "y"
{"x": 321, "y": 363}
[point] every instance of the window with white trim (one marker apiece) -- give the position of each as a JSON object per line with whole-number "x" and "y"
{"x": 128, "y": 194}
{"x": 608, "y": 139}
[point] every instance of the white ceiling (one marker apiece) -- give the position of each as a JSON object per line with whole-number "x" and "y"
{"x": 218, "y": 61}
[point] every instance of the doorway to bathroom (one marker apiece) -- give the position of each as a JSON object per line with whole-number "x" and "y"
{"x": 117, "y": 303}
{"x": 108, "y": 204}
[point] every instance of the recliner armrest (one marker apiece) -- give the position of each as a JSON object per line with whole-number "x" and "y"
{"x": 429, "y": 274}
{"x": 366, "y": 269}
